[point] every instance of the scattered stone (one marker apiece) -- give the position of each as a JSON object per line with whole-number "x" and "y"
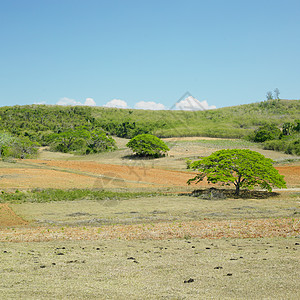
{"x": 72, "y": 261}
{"x": 218, "y": 268}
{"x": 207, "y": 248}
{"x": 297, "y": 244}
{"x": 53, "y": 264}
{"x": 229, "y": 274}
{"x": 42, "y": 266}
{"x": 60, "y": 253}
{"x": 189, "y": 280}
{"x": 131, "y": 258}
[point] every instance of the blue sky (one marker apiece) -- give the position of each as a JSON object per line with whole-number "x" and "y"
{"x": 148, "y": 53}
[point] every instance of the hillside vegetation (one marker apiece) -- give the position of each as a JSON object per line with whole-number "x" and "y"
{"x": 48, "y": 125}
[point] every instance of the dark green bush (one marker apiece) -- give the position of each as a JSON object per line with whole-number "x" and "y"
{"x": 266, "y": 133}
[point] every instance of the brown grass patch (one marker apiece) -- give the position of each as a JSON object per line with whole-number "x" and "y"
{"x": 252, "y": 228}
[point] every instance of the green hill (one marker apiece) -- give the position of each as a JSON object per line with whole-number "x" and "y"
{"x": 232, "y": 122}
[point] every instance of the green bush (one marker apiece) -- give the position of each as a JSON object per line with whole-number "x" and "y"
{"x": 289, "y": 146}
{"x": 147, "y": 145}
{"x": 266, "y": 133}
{"x": 294, "y": 147}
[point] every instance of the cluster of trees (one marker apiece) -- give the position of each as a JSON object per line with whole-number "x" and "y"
{"x": 11, "y": 146}
{"x": 126, "y": 129}
{"x": 81, "y": 140}
{"x": 64, "y": 129}
{"x": 286, "y": 139}
{"x": 275, "y": 95}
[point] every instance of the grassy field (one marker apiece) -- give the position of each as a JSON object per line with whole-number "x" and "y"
{"x": 136, "y": 233}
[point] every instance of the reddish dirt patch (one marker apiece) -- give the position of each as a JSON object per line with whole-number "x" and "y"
{"x": 198, "y": 229}
{"x": 9, "y": 218}
{"x": 129, "y": 173}
{"x": 291, "y": 174}
{"x": 20, "y": 178}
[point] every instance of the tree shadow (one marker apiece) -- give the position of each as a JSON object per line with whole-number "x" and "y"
{"x": 137, "y": 157}
{"x": 219, "y": 194}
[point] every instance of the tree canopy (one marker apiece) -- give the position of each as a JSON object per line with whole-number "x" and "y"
{"x": 147, "y": 145}
{"x": 241, "y": 167}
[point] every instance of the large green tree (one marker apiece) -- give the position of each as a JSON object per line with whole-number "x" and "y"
{"x": 147, "y": 145}
{"x": 241, "y": 167}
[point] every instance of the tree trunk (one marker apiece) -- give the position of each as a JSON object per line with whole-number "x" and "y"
{"x": 237, "y": 185}
{"x": 237, "y": 189}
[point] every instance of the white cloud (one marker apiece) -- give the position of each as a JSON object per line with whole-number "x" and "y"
{"x": 118, "y": 103}
{"x": 90, "y": 102}
{"x": 191, "y": 103}
{"x": 68, "y": 101}
{"x": 40, "y": 102}
{"x": 149, "y": 105}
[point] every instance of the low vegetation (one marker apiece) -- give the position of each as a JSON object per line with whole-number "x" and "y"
{"x": 50, "y": 195}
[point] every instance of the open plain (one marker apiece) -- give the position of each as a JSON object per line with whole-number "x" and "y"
{"x": 166, "y": 246}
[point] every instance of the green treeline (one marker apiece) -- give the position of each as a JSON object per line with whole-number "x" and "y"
{"x": 85, "y": 130}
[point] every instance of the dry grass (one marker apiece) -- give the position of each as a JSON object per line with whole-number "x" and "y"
{"x": 145, "y": 269}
